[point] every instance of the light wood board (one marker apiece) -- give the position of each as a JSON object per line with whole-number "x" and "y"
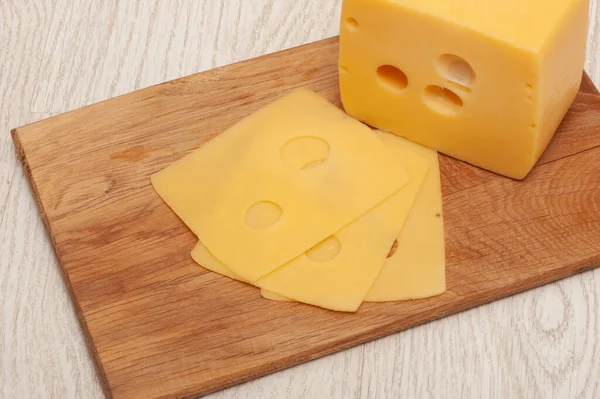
{"x": 160, "y": 327}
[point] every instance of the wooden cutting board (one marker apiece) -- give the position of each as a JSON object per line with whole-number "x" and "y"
{"x": 160, "y": 327}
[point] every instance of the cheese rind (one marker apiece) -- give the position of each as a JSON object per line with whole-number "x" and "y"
{"x": 486, "y": 82}
{"x": 249, "y": 194}
{"x": 417, "y": 269}
{"x": 338, "y": 273}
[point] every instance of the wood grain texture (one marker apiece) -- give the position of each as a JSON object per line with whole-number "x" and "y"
{"x": 539, "y": 344}
{"x": 42, "y": 350}
{"x": 161, "y": 327}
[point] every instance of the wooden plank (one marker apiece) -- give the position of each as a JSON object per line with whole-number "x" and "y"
{"x": 159, "y": 326}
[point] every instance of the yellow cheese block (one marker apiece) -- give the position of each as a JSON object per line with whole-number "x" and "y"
{"x": 484, "y": 81}
{"x": 338, "y": 272}
{"x": 273, "y": 296}
{"x": 417, "y": 268}
{"x": 280, "y": 181}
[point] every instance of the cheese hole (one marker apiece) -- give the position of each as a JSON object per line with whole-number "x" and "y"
{"x": 352, "y": 24}
{"x": 529, "y": 91}
{"x": 324, "y": 251}
{"x": 456, "y": 69}
{"x": 533, "y": 126}
{"x": 391, "y": 77}
{"x": 393, "y": 249}
{"x": 343, "y": 69}
{"x": 313, "y": 164}
{"x": 457, "y": 87}
{"x": 306, "y": 152}
{"x": 442, "y": 100}
{"x": 263, "y": 214}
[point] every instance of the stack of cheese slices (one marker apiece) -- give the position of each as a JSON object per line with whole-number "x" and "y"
{"x": 311, "y": 205}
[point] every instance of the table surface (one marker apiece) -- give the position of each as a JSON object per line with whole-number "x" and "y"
{"x": 59, "y": 55}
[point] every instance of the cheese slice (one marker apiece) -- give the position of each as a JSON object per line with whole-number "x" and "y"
{"x": 338, "y": 272}
{"x": 417, "y": 268}
{"x": 273, "y": 296}
{"x": 486, "y": 81}
{"x": 280, "y": 181}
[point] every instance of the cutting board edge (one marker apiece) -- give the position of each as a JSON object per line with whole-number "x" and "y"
{"x": 89, "y": 341}
{"x": 383, "y": 331}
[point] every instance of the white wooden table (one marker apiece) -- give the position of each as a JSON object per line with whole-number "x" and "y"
{"x": 58, "y": 55}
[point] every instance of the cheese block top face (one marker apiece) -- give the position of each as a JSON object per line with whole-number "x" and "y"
{"x": 487, "y": 82}
{"x": 280, "y": 181}
{"x": 523, "y": 23}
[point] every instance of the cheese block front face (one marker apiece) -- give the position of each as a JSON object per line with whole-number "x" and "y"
{"x": 487, "y": 81}
{"x": 280, "y": 181}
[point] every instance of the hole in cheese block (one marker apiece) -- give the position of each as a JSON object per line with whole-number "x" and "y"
{"x": 305, "y": 152}
{"x": 442, "y": 100}
{"x": 529, "y": 92}
{"x": 456, "y": 69}
{"x": 352, "y": 24}
{"x": 326, "y": 250}
{"x": 263, "y": 214}
{"x": 392, "y": 78}
{"x": 343, "y": 70}
{"x": 453, "y": 86}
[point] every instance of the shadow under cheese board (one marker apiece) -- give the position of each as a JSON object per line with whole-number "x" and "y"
{"x": 159, "y": 326}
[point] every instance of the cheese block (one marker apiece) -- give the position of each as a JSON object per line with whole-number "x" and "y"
{"x": 487, "y": 81}
{"x": 280, "y": 181}
{"x": 273, "y": 296}
{"x": 416, "y": 268}
{"x": 338, "y": 272}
